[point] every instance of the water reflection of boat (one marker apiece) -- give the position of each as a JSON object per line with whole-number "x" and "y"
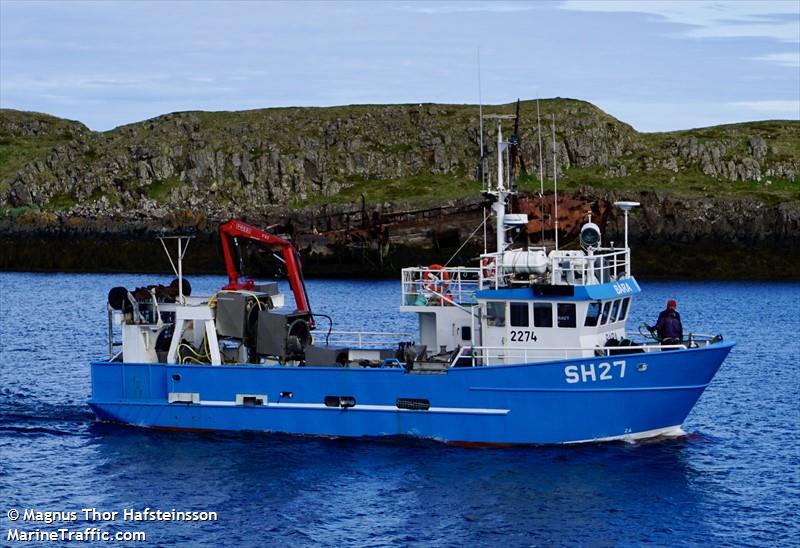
{"x": 528, "y": 346}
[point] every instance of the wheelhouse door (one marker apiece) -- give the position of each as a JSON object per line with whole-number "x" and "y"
{"x": 495, "y": 331}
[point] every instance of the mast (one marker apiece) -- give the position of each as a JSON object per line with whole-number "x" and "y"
{"x": 500, "y": 205}
{"x": 183, "y": 245}
{"x": 555, "y": 181}
{"x": 500, "y": 191}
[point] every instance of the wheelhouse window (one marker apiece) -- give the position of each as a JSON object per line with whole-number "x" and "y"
{"x": 592, "y": 314}
{"x": 615, "y": 310}
{"x": 543, "y": 314}
{"x": 496, "y": 314}
{"x": 606, "y": 310}
{"x": 623, "y": 313}
{"x": 518, "y": 313}
{"x": 566, "y": 315}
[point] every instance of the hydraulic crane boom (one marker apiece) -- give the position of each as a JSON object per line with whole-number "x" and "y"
{"x": 237, "y": 229}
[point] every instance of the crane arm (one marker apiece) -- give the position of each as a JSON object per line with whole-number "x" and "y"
{"x": 237, "y": 229}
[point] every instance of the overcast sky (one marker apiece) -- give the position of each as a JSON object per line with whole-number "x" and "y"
{"x": 656, "y": 65}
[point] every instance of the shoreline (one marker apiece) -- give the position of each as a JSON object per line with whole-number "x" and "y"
{"x": 672, "y": 261}
{"x": 671, "y": 237}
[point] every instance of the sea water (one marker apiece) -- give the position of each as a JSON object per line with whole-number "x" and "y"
{"x": 733, "y": 478}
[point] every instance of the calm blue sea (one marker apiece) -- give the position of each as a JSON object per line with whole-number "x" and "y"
{"x": 734, "y": 479}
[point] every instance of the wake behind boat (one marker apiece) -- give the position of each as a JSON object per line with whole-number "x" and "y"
{"x": 530, "y": 346}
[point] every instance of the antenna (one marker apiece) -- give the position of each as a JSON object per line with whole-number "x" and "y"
{"x": 500, "y": 190}
{"x": 483, "y": 162}
{"x": 480, "y": 118}
{"x": 178, "y": 270}
{"x": 484, "y": 231}
{"x": 508, "y": 167}
{"x": 500, "y": 150}
{"x": 500, "y": 205}
{"x": 626, "y": 207}
{"x": 555, "y": 179}
{"x": 541, "y": 173}
{"x": 514, "y": 150}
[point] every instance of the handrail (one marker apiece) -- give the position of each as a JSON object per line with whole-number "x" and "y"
{"x": 445, "y": 298}
{"x": 459, "y": 287}
{"x": 361, "y": 335}
{"x": 701, "y": 336}
{"x": 605, "y": 264}
{"x": 480, "y": 352}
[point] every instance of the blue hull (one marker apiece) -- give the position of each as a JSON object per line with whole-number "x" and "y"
{"x": 576, "y": 400}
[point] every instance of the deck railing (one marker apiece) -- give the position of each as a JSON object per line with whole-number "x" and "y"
{"x": 565, "y": 267}
{"x": 363, "y": 339}
{"x": 605, "y": 265}
{"x": 499, "y": 355}
{"x": 451, "y": 286}
{"x": 446, "y": 286}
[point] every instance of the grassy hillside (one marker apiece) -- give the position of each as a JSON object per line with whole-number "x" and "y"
{"x": 421, "y": 153}
{"x": 28, "y": 136}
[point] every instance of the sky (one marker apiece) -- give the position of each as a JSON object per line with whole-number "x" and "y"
{"x": 656, "y": 65}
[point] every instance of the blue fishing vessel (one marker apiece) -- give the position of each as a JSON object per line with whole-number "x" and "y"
{"x": 530, "y": 346}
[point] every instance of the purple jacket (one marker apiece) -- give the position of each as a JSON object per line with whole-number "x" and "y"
{"x": 669, "y": 325}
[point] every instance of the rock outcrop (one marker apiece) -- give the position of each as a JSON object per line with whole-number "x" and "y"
{"x": 308, "y": 170}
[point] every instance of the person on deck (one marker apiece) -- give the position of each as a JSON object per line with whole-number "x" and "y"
{"x": 669, "y": 327}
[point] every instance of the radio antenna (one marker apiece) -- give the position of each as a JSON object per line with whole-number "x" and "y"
{"x": 541, "y": 172}
{"x": 480, "y": 118}
{"x": 480, "y": 122}
{"x": 555, "y": 180}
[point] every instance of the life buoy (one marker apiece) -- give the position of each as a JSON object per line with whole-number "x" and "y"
{"x": 489, "y": 269}
{"x": 436, "y": 282}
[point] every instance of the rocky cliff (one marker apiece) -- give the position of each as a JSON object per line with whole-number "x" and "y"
{"x": 369, "y": 188}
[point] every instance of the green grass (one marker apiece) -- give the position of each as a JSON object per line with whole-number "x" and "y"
{"x": 61, "y": 202}
{"x": 96, "y": 194}
{"x": 782, "y": 135}
{"x": 421, "y": 190}
{"x": 13, "y": 212}
{"x": 434, "y": 189}
{"x": 687, "y": 182}
{"x": 16, "y": 152}
{"x": 161, "y": 190}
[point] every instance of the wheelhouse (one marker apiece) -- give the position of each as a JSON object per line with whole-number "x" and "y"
{"x": 463, "y": 309}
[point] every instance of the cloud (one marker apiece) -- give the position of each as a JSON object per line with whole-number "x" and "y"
{"x": 790, "y": 109}
{"x": 114, "y": 62}
{"x": 435, "y": 8}
{"x": 712, "y": 19}
{"x": 787, "y": 59}
{"x": 109, "y": 87}
{"x": 649, "y": 116}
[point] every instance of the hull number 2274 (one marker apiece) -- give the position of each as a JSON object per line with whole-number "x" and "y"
{"x": 589, "y": 372}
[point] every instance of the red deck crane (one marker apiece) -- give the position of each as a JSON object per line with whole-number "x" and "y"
{"x": 237, "y": 229}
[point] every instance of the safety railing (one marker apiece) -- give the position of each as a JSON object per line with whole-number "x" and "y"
{"x": 603, "y": 266}
{"x": 439, "y": 286}
{"x": 475, "y": 356}
{"x": 691, "y": 340}
{"x": 364, "y": 339}
{"x": 572, "y": 267}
